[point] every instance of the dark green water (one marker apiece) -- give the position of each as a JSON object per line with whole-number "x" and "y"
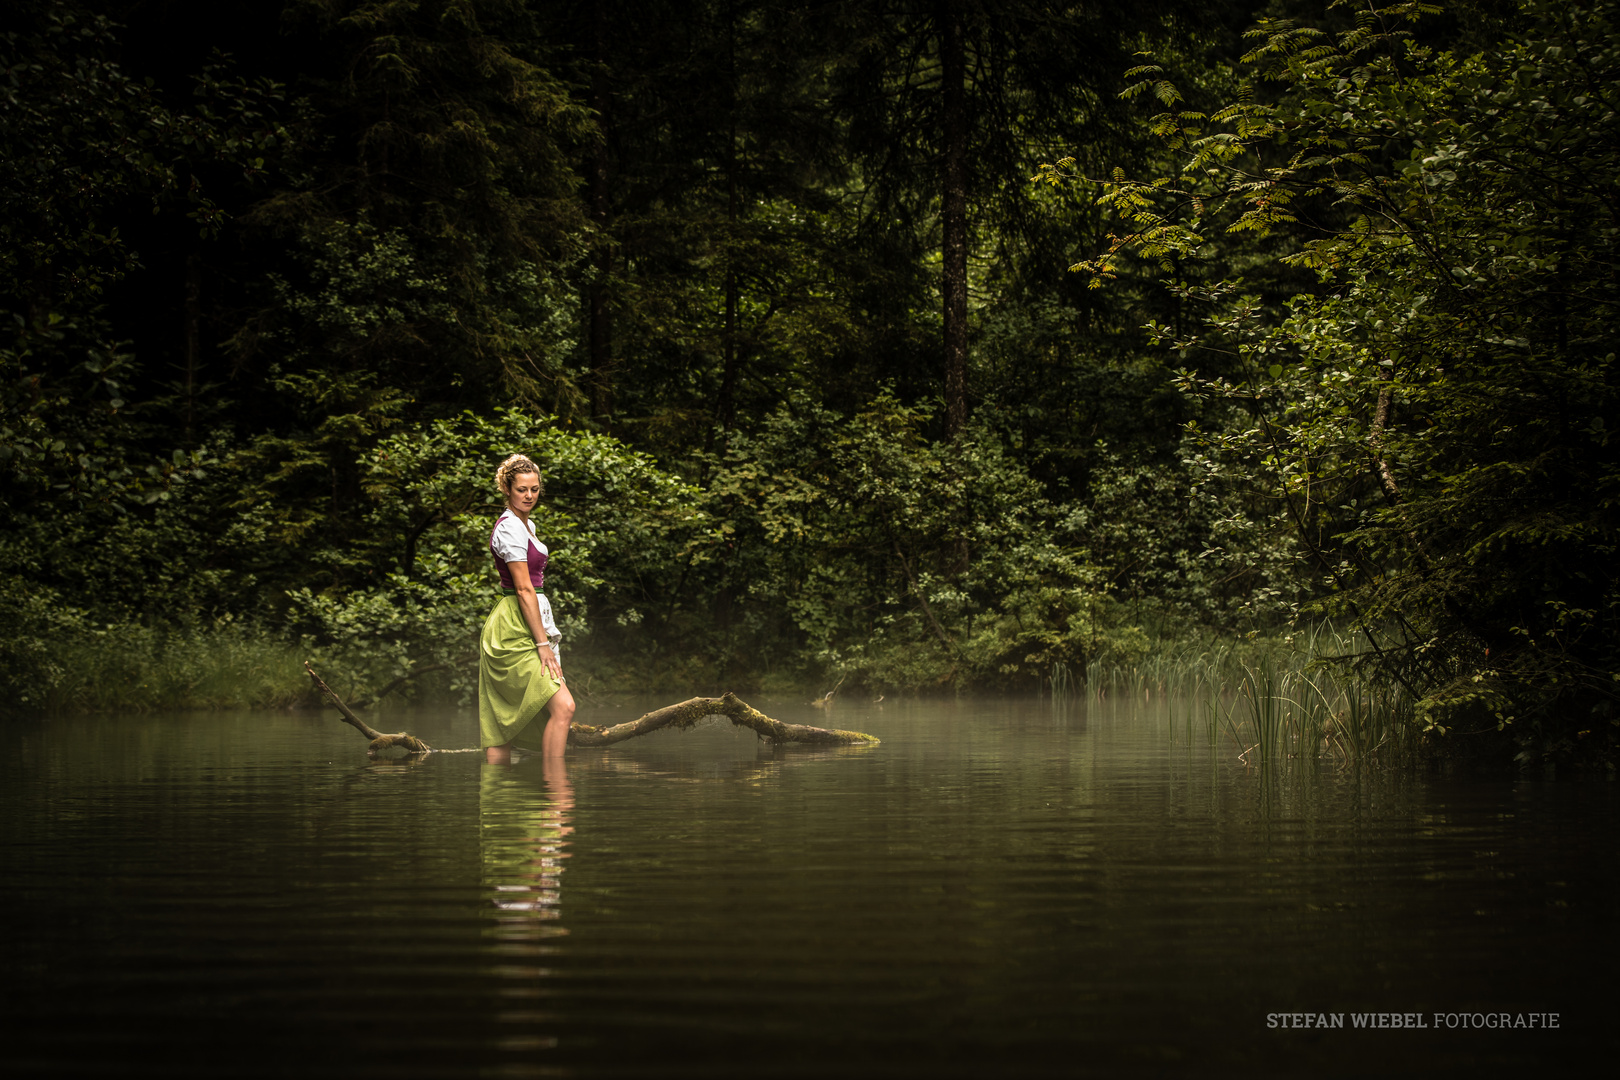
{"x": 997, "y": 889}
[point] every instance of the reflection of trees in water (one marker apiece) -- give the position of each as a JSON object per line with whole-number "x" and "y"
{"x": 523, "y": 837}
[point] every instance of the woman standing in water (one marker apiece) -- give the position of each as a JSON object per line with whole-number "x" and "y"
{"x": 519, "y": 671}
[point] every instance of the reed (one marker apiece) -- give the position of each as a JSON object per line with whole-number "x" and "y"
{"x": 1065, "y": 685}
{"x": 1274, "y": 698}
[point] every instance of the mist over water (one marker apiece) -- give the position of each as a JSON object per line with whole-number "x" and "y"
{"x": 1000, "y": 886}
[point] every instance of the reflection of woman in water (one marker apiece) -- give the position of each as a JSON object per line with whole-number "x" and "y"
{"x": 519, "y": 670}
{"x": 524, "y": 836}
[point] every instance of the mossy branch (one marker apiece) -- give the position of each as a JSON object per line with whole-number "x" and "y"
{"x": 688, "y": 713}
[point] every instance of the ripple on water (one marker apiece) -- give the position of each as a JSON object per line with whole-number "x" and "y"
{"x": 997, "y": 886}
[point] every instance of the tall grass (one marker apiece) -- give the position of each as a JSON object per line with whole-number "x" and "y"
{"x": 1273, "y": 700}
{"x": 138, "y": 669}
{"x": 1067, "y": 684}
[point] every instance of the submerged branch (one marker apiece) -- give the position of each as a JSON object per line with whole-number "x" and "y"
{"x": 688, "y": 713}
{"x": 680, "y": 716}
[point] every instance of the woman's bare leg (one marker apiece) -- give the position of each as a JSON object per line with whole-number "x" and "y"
{"x": 554, "y": 743}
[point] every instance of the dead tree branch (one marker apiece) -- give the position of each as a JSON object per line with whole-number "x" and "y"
{"x": 379, "y": 741}
{"x": 687, "y": 713}
{"x": 680, "y": 716}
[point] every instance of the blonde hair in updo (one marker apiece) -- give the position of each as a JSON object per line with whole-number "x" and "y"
{"x": 513, "y": 467}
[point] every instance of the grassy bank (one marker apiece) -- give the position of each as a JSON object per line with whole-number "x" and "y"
{"x": 141, "y": 669}
{"x": 1266, "y": 696}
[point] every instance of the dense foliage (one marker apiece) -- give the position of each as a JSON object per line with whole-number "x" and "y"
{"x": 767, "y": 287}
{"x": 1431, "y": 420}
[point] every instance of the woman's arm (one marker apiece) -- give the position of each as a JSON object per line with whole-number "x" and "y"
{"x": 529, "y": 605}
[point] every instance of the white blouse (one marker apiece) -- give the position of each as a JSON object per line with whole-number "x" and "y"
{"x": 510, "y": 543}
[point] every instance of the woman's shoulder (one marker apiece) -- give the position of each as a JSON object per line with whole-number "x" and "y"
{"x": 509, "y": 525}
{"x": 513, "y": 527}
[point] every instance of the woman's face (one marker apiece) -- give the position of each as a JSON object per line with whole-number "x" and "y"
{"x": 525, "y": 492}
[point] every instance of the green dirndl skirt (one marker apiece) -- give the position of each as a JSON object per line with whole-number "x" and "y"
{"x": 513, "y": 685}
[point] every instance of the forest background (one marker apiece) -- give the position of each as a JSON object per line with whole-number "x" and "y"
{"x": 918, "y": 346}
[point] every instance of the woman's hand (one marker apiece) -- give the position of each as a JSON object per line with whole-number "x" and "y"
{"x": 548, "y": 660}
{"x": 529, "y": 605}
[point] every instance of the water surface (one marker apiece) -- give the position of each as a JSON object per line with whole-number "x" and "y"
{"x": 1000, "y": 888}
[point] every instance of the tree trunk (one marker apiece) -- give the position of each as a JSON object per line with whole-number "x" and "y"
{"x": 728, "y": 379}
{"x": 1375, "y": 440}
{"x": 922, "y": 598}
{"x": 598, "y": 301}
{"x": 953, "y": 74}
{"x": 193, "y": 339}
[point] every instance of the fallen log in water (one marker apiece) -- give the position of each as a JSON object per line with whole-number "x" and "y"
{"x": 679, "y": 716}
{"x": 689, "y": 712}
